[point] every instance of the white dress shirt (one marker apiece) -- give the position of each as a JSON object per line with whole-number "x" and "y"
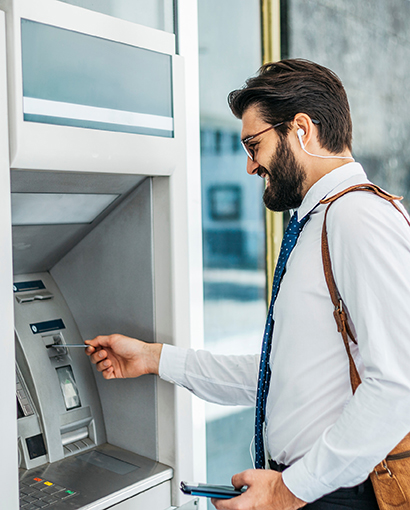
{"x": 313, "y": 424}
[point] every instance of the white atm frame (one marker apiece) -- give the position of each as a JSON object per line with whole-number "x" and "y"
{"x": 176, "y": 196}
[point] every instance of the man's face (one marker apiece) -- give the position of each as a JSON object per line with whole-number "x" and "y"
{"x": 275, "y": 161}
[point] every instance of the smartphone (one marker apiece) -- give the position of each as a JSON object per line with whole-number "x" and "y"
{"x": 211, "y": 491}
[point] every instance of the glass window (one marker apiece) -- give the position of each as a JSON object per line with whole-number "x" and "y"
{"x": 233, "y": 219}
{"x": 367, "y": 44}
{"x": 157, "y": 14}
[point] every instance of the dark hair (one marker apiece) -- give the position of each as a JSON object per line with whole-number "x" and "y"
{"x": 283, "y": 89}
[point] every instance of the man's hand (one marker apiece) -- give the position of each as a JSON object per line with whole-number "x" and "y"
{"x": 266, "y": 491}
{"x": 118, "y": 356}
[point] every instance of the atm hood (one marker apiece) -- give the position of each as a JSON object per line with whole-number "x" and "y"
{"x": 53, "y": 211}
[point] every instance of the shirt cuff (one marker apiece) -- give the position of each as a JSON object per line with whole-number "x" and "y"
{"x": 303, "y": 484}
{"x": 172, "y": 364}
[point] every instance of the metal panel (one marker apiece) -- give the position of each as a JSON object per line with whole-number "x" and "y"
{"x": 8, "y": 469}
{"x": 40, "y": 247}
{"x": 35, "y": 145}
{"x": 107, "y": 280}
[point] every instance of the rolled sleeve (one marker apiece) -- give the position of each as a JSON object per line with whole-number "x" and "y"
{"x": 303, "y": 484}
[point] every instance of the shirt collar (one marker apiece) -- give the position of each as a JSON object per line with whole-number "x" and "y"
{"x": 328, "y": 183}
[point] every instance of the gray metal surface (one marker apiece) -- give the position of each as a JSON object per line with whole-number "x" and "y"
{"x": 102, "y": 283}
{"x": 98, "y": 484}
{"x": 107, "y": 280}
{"x": 39, "y": 247}
{"x": 191, "y": 505}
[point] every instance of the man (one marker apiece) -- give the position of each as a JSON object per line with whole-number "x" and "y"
{"x": 323, "y": 442}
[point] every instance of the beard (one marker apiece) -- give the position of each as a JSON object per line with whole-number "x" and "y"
{"x": 286, "y": 178}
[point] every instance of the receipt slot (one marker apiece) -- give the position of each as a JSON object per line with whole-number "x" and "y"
{"x": 100, "y": 240}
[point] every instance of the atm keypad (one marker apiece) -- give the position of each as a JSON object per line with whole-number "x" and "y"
{"x": 38, "y": 493}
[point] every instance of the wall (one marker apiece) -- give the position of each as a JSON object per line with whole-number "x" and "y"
{"x": 367, "y": 43}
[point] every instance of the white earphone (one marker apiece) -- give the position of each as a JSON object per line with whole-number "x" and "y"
{"x": 300, "y": 133}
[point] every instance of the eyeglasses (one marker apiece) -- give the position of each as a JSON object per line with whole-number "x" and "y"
{"x": 249, "y": 150}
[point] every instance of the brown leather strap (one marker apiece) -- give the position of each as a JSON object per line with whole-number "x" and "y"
{"x": 339, "y": 311}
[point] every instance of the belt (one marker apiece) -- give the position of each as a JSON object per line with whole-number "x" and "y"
{"x": 277, "y": 467}
{"x": 358, "y": 489}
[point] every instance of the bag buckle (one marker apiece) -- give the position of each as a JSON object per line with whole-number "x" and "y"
{"x": 339, "y": 315}
{"x": 384, "y": 464}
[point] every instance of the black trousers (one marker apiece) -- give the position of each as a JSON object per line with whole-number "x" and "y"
{"x": 360, "y": 497}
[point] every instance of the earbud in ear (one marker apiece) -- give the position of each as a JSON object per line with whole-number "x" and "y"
{"x": 300, "y": 133}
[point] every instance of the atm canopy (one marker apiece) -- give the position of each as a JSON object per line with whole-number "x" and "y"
{"x": 53, "y": 211}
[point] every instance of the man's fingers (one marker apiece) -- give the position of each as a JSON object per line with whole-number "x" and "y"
{"x": 98, "y": 356}
{"x": 218, "y": 503}
{"x": 102, "y": 365}
{"x": 90, "y": 349}
{"x": 227, "y": 504}
{"x": 109, "y": 373}
{"x": 243, "y": 478}
{"x": 100, "y": 341}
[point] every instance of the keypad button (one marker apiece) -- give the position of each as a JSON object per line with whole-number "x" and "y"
{"x": 68, "y": 494}
{"x": 38, "y": 493}
{"x": 40, "y": 504}
{"x": 59, "y": 495}
{"x": 27, "y": 490}
{"x": 50, "y": 490}
{"x": 46, "y": 485}
{"x": 49, "y": 499}
{"x": 37, "y": 484}
{"x": 29, "y": 499}
{"x": 58, "y": 487}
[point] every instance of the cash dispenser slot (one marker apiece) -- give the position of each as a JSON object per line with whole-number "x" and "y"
{"x": 74, "y": 436}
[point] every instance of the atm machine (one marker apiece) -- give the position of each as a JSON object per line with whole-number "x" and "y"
{"x": 100, "y": 232}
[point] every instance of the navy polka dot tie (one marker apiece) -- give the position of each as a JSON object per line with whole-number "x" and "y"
{"x": 288, "y": 243}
